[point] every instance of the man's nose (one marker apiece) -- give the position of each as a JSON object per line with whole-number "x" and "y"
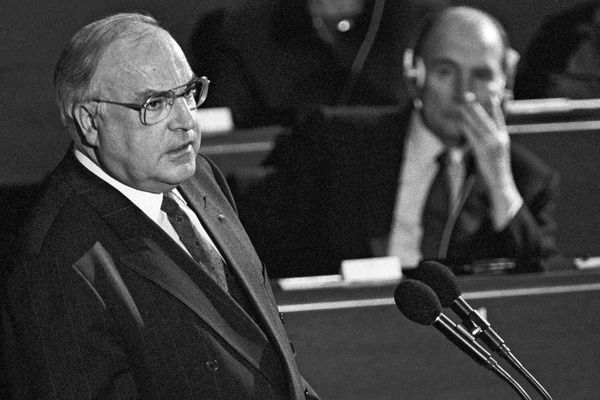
{"x": 182, "y": 117}
{"x": 461, "y": 89}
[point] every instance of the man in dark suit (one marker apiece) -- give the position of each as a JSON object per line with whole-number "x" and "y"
{"x": 136, "y": 278}
{"x": 269, "y": 59}
{"x": 356, "y": 182}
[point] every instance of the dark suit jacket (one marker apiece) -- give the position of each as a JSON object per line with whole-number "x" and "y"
{"x": 266, "y": 63}
{"x": 103, "y": 304}
{"x": 333, "y": 192}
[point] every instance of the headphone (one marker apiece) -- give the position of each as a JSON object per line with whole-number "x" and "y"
{"x": 413, "y": 72}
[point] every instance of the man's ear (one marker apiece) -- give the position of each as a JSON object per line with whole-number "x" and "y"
{"x": 85, "y": 119}
{"x": 511, "y": 61}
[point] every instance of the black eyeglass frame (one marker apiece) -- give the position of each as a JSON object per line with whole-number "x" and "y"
{"x": 170, "y": 95}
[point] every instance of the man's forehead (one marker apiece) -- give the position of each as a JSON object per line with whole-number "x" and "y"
{"x": 153, "y": 59}
{"x": 456, "y": 38}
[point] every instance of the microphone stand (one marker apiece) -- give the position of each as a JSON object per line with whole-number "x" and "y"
{"x": 519, "y": 367}
{"x": 513, "y": 383}
{"x": 493, "y": 364}
{"x": 480, "y": 328}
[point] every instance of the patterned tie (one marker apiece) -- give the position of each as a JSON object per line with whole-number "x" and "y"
{"x": 202, "y": 252}
{"x": 436, "y": 210}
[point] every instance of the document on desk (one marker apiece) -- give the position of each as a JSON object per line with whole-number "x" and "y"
{"x": 356, "y": 272}
{"x": 374, "y": 269}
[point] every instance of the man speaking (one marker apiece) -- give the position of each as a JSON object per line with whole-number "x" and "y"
{"x": 136, "y": 278}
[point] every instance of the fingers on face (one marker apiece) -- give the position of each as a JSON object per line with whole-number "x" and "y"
{"x": 489, "y": 106}
{"x": 475, "y": 119}
{"x": 481, "y": 123}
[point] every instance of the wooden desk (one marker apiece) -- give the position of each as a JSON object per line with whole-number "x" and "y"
{"x": 353, "y": 343}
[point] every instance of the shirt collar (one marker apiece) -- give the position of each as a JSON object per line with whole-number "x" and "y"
{"x": 148, "y": 202}
{"x": 422, "y": 143}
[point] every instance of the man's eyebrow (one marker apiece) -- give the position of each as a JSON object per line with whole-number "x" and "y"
{"x": 443, "y": 61}
{"x": 146, "y": 93}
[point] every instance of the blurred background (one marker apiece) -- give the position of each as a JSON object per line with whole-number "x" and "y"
{"x": 32, "y": 140}
{"x": 33, "y": 33}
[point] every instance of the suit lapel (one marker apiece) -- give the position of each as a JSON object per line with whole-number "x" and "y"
{"x": 222, "y": 224}
{"x": 205, "y": 298}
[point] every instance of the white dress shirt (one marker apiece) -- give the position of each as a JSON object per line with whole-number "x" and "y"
{"x": 418, "y": 171}
{"x": 149, "y": 202}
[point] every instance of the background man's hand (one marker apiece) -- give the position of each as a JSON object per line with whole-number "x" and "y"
{"x": 485, "y": 130}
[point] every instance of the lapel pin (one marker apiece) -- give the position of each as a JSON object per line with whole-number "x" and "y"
{"x": 221, "y": 217}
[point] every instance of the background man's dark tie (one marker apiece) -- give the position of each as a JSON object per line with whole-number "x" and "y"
{"x": 436, "y": 210}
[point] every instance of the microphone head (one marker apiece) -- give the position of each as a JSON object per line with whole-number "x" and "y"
{"x": 417, "y": 302}
{"x": 439, "y": 278}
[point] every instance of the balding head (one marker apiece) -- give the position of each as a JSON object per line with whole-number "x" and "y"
{"x": 463, "y": 23}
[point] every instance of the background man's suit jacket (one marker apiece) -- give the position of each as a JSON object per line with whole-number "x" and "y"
{"x": 333, "y": 192}
{"x": 104, "y": 304}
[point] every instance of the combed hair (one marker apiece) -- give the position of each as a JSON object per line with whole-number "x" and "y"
{"x": 79, "y": 59}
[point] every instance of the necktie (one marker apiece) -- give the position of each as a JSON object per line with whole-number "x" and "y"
{"x": 200, "y": 251}
{"x": 436, "y": 210}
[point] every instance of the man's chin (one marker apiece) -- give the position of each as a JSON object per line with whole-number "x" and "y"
{"x": 187, "y": 172}
{"x": 180, "y": 173}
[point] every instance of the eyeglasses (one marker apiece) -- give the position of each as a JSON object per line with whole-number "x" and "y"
{"x": 158, "y": 106}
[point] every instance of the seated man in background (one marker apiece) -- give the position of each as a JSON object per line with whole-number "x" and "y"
{"x": 267, "y": 59}
{"x": 438, "y": 179}
{"x": 135, "y": 278}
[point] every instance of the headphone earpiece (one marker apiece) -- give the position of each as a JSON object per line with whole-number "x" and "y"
{"x": 414, "y": 72}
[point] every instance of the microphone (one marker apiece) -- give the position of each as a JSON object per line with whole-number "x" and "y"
{"x": 443, "y": 282}
{"x": 418, "y": 302}
{"x": 439, "y": 278}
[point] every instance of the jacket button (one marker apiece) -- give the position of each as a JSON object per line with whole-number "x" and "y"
{"x": 212, "y": 365}
{"x": 281, "y": 318}
{"x": 306, "y": 393}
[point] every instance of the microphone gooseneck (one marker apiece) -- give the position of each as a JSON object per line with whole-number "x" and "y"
{"x": 443, "y": 282}
{"x": 419, "y": 303}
